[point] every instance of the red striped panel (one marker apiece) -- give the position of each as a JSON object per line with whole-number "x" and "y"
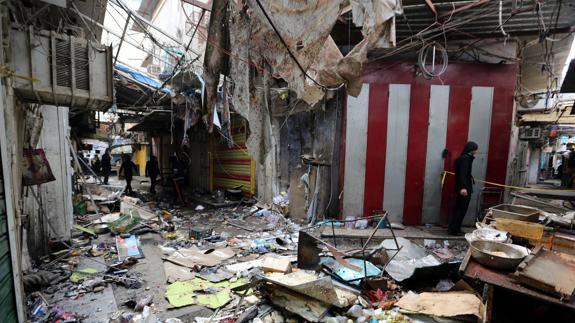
{"x": 236, "y": 161}
{"x": 501, "y": 120}
{"x": 376, "y": 148}
{"x": 416, "y": 154}
{"x": 457, "y": 130}
{"x": 246, "y": 178}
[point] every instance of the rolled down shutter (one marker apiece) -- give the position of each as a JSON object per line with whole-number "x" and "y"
{"x": 7, "y": 298}
{"x": 233, "y": 167}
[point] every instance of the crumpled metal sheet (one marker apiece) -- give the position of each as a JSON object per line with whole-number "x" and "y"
{"x": 349, "y": 275}
{"x": 311, "y": 284}
{"x": 408, "y": 259}
{"x": 305, "y": 26}
{"x": 377, "y": 17}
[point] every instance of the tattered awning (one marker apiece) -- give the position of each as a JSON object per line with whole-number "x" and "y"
{"x": 134, "y": 88}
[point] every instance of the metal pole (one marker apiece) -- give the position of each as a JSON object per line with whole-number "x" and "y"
{"x": 392, "y": 233}
{"x": 374, "y": 231}
{"x": 122, "y": 38}
{"x": 85, "y": 23}
{"x": 333, "y": 232}
{"x": 180, "y": 60}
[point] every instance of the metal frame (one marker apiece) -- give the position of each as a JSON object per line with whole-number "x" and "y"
{"x": 382, "y": 219}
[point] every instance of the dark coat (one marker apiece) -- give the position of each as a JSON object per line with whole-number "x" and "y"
{"x": 463, "y": 177}
{"x": 128, "y": 167}
{"x": 152, "y": 169}
{"x": 106, "y": 163}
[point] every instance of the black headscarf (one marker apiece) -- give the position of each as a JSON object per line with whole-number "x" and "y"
{"x": 469, "y": 147}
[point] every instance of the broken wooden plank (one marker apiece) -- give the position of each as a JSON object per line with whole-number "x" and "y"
{"x": 518, "y": 228}
{"x": 549, "y": 271}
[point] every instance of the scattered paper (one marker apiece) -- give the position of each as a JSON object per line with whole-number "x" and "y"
{"x": 203, "y": 292}
{"x": 246, "y": 265}
{"x": 176, "y": 273}
{"x": 128, "y": 247}
{"x": 82, "y": 274}
{"x": 192, "y": 257}
{"x": 442, "y": 304}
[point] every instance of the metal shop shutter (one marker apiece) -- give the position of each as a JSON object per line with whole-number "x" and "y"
{"x": 232, "y": 166}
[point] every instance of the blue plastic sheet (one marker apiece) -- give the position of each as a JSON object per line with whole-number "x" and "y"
{"x": 349, "y": 275}
{"x": 151, "y": 82}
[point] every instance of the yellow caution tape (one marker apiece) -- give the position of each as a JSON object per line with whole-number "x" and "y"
{"x": 506, "y": 186}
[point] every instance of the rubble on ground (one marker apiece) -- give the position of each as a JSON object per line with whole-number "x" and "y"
{"x": 149, "y": 261}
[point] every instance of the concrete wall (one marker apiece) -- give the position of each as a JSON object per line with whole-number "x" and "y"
{"x": 534, "y": 158}
{"x": 11, "y": 144}
{"x": 312, "y": 133}
{"x": 55, "y": 198}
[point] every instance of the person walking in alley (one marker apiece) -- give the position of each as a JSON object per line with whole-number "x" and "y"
{"x": 152, "y": 171}
{"x": 128, "y": 168}
{"x": 96, "y": 165}
{"x": 463, "y": 186}
{"x": 106, "y": 165}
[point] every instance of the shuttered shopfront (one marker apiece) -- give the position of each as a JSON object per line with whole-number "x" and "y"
{"x": 232, "y": 167}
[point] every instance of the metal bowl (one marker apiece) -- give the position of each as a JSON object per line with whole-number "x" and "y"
{"x": 490, "y": 254}
{"x": 101, "y": 228}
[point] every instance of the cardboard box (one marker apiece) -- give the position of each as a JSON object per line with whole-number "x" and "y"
{"x": 278, "y": 265}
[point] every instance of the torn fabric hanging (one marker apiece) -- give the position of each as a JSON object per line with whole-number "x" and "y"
{"x": 36, "y": 168}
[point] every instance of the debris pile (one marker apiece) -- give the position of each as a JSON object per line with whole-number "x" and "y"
{"x": 150, "y": 261}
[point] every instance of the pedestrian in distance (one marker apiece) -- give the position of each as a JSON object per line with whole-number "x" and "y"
{"x": 128, "y": 167}
{"x": 152, "y": 171}
{"x": 106, "y": 165}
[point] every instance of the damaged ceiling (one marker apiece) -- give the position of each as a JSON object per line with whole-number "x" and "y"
{"x": 310, "y": 61}
{"x": 463, "y": 20}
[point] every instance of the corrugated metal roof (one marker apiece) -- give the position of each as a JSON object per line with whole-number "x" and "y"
{"x": 483, "y": 20}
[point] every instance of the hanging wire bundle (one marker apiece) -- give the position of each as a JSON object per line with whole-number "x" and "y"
{"x": 437, "y": 51}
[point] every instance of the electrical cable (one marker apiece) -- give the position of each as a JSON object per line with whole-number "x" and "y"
{"x": 294, "y": 105}
{"x": 428, "y": 32}
{"x": 324, "y": 87}
{"x": 181, "y": 58}
{"x": 506, "y": 35}
{"x": 146, "y": 32}
{"x": 421, "y": 61}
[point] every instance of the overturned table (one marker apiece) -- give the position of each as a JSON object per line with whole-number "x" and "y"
{"x": 472, "y": 270}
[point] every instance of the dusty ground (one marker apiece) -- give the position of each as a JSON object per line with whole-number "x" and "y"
{"x": 237, "y": 226}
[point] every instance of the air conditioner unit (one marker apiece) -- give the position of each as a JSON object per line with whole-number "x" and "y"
{"x": 61, "y": 69}
{"x": 528, "y": 133}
